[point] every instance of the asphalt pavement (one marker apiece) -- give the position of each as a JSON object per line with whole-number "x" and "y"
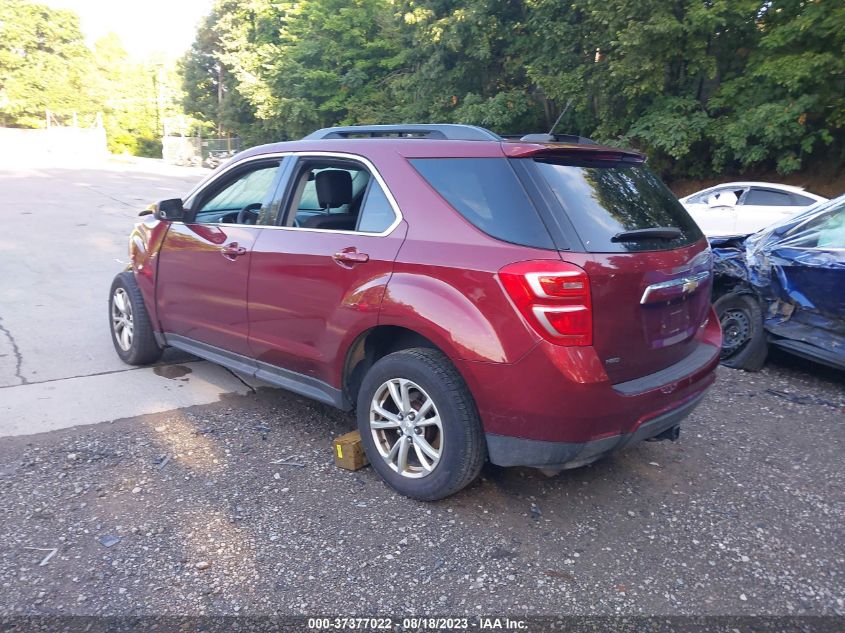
{"x": 65, "y": 233}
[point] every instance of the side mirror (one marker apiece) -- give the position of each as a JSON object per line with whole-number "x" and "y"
{"x": 169, "y": 209}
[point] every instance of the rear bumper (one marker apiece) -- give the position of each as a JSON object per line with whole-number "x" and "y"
{"x": 516, "y": 451}
{"x": 557, "y": 406}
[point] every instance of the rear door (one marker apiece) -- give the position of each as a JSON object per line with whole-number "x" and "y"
{"x": 203, "y": 264}
{"x": 650, "y": 295}
{"x": 761, "y": 207}
{"x": 318, "y": 279}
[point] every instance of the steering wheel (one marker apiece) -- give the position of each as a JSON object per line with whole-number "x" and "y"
{"x": 297, "y": 223}
{"x": 249, "y": 214}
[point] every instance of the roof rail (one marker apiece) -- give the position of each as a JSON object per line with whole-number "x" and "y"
{"x": 441, "y": 131}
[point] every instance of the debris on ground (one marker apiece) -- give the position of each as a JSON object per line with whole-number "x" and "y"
{"x": 51, "y": 552}
{"x": 107, "y": 540}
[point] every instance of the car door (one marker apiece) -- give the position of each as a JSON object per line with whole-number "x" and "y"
{"x": 316, "y": 281}
{"x": 760, "y": 207}
{"x": 810, "y": 262}
{"x": 203, "y": 264}
{"x": 715, "y": 210}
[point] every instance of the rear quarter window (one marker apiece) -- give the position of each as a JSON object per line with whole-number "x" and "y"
{"x": 604, "y": 198}
{"x": 487, "y": 192}
{"x": 801, "y": 201}
{"x": 766, "y": 197}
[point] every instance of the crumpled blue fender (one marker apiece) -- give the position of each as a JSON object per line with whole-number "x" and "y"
{"x": 815, "y": 239}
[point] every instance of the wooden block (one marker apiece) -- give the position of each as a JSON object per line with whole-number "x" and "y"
{"x": 349, "y": 452}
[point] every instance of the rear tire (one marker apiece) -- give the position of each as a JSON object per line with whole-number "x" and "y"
{"x": 743, "y": 337}
{"x": 416, "y": 397}
{"x": 129, "y": 323}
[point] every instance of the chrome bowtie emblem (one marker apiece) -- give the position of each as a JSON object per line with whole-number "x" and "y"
{"x": 690, "y": 285}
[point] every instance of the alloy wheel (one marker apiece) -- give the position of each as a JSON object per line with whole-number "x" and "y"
{"x": 406, "y": 428}
{"x": 121, "y": 319}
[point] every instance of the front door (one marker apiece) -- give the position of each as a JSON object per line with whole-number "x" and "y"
{"x": 317, "y": 281}
{"x": 204, "y": 262}
{"x": 810, "y": 263}
{"x": 715, "y": 211}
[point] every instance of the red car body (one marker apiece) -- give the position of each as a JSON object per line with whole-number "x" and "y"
{"x": 286, "y": 308}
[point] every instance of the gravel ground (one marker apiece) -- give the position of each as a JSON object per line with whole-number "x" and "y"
{"x": 186, "y": 513}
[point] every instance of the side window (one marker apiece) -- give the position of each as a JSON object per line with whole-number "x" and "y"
{"x": 333, "y": 194}
{"x": 244, "y": 199}
{"x": 823, "y": 231}
{"x": 376, "y": 214}
{"x": 488, "y": 194}
{"x": 832, "y": 234}
{"x": 310, "y": 202}
{"x": 725, "y": 197}
{"x": 801, "y": 201}
{"x": 700, "y": 198}
{"x": 768, "y": 198}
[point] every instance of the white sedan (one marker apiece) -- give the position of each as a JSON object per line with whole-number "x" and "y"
{"x": 742, "y": 208}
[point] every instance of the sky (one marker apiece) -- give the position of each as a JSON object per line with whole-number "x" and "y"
{"x": 144, "y": 27}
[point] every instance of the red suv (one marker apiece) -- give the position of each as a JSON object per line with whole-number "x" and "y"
{"x": 536, "y": 302}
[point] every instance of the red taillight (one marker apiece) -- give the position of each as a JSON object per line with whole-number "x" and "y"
{"x": 554, "y": 297}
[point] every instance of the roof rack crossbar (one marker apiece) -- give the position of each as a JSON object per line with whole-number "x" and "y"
{"x": 441, "y": 131}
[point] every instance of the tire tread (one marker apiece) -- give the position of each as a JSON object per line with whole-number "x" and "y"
{"x": 145, "y": 349}
{"x": 752, "y": 357}
{"x": 472, "y": 458}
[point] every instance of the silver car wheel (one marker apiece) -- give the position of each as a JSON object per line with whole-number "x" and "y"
{"x": 121, "y": 319}
{"x": 406, "y": 428}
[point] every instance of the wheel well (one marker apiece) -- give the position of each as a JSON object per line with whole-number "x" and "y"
{"x": 372, "y": 345}
{"x": 724, "y": 284}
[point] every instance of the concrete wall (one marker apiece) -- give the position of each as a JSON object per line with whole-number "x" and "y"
{"x": 54, "y": 142}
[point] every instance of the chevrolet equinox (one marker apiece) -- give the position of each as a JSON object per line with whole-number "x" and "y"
{"x": 539, "y": 302}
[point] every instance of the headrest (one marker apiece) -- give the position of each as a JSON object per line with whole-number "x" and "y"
{"x": 334, "y": 188}
{"x": 334, "y": 221}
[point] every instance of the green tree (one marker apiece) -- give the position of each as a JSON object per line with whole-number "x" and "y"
{"x": 467, "y": 65}
{"x": 209, "y": 89}
{"x": 790, "y": 102}
{"x": 703, "y": 86}
{"x": 126, "y": 94}
{"x": 44, "y": 64}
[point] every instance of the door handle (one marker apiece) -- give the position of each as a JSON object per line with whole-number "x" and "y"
{"x": 350, "y": 257}
{"x": 232, "y": 251}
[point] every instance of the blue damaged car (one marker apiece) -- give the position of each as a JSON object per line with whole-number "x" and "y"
{"x": 784, "y": 286}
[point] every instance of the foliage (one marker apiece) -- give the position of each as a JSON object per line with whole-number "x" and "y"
{"x": 703, "y": 86}
{"x": 45, "y": 65}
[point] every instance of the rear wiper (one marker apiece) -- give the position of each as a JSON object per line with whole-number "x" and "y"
{"x": 654, "y": 233}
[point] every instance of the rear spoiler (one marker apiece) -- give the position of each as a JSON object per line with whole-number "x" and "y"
{"x": 571, "y": 151}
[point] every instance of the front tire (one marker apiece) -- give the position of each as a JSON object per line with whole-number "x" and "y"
{"x": 129, "y": 323}
{"x": 419, "y": 424}
{"x": 743, "y": 337}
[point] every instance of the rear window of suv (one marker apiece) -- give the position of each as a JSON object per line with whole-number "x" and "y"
{"x": 487, "y": 192}
{"x": 602, "y": 199}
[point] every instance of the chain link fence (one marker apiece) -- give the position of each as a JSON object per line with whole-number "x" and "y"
{"x": 195, "y": 151}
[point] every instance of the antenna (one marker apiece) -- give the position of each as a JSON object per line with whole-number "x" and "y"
{"x": 568, "y": 103}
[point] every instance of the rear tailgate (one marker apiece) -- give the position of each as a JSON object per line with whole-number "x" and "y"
{"x": 646, "y": 307}
{"x": 648, "y": 263}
